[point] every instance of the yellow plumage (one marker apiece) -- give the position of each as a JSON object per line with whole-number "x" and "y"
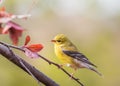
{"x": 67, "y": 52}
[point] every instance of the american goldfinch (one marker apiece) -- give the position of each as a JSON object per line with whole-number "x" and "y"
{"x": 67, "y": 52}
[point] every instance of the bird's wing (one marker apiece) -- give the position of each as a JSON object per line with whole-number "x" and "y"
{"x": 78, "y": 56}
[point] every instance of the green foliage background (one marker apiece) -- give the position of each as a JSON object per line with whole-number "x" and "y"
{"x": 95, "y": 32}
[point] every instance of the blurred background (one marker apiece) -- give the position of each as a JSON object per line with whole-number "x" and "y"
{"x": 93, "y": 25}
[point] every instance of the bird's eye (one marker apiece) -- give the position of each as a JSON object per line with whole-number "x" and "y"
{"x": 58, "y": 40}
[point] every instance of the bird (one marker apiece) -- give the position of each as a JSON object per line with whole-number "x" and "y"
{"x": 69, "y": 55}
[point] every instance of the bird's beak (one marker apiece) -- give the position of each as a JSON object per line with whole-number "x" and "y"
{"x": 53, "y": 40}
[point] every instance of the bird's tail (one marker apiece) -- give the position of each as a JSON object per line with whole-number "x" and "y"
{"x": 93, "y": 69}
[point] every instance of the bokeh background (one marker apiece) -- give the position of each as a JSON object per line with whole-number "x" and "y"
{"x": 93, "y": 25}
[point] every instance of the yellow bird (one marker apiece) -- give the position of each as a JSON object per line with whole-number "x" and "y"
{"x": 67, "y": 52}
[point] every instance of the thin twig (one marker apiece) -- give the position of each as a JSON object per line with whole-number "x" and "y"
{"x": 57, "y": 65}
{"x": 32, "y": 6}
{"x": 12, "y": 46}
{"x": 29, "y": 71}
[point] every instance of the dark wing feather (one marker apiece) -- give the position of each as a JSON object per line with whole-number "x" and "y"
{"x": 78, "y": 56}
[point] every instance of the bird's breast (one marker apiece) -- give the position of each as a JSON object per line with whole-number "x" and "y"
{"x": 62, "y": 56}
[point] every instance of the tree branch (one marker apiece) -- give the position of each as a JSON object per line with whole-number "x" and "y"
{"x": 7, "y": 53}
{"x": 50, "y": 62}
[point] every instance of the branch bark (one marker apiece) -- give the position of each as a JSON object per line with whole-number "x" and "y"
{"x": 7, "y": 53}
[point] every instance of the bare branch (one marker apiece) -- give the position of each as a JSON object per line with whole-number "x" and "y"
{"x": 50, "y": 62}
{"x": 7, "y": 53}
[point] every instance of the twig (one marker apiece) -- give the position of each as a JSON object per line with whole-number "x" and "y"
{"x": 32, "y": 6}
{"x": 57, "y": 65}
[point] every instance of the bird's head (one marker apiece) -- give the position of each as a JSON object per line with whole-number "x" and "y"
{"x": 60, "y": 39}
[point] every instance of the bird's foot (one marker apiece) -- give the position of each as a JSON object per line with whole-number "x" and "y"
{"x": 71, "y": 76}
